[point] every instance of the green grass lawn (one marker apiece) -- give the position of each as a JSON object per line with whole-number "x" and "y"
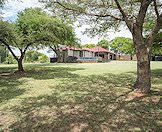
{"x": 78, "y": 97}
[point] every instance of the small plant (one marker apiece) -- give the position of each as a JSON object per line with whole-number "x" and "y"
{"x": 10, "y": 60}
{"x": 43, "y": 59}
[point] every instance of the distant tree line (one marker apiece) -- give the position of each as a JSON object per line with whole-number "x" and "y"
{"x": 122, "y": 45}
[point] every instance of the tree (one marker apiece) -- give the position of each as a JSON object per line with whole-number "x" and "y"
{"x": 10, "y": 59}
{"x": 157, "y": 45}
{"x": 3, "y": 54}
{"x": 123, "y": 45}
{"x": 26, "y": 32}
{"x": 32, "y": 56}
{"x": 104, "y": 15}
{"x": 43, "y": 59}
{"x": 104, "y": 44}
{"x": 60, "y": 34}
{"x": 89, "y": 45}
{"x": 34, "y": 27}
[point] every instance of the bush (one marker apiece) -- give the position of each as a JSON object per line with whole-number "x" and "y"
{"x": 3, "y": 54}
{"x": 43, "y": 59}
{"x": 32, "y": 56}
{"x": 10, "y": 60}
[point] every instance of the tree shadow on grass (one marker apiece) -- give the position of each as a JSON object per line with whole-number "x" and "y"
{"x": 44, "y": 73}
{"x": 6, "y": 71}
{"x": 41, "y": 73}
{"x": 157, "y": 73}
{"x": 91, "y": 103}
{"x": 9, "y": 81}
{"x": 9, "y": 88}
{"x": 156, "y": 78}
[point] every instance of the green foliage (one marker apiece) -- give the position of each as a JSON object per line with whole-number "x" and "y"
{"x": 34, "y": 27}
{"x": 103, "y": 15}
{"x": 157, "y": 46}
{"x": 57, "y": 32}
{"x": 49, "y": 30}
{"x": 157, "y": 49}
{"x": 89, "y": 45}
{"x": 32, "y": 56}
{"x": 3, "y": 54}
{"x": 123, "y": 45}
{"x": 6, "y": 31}
{"x": 23, "y": 33}
{"x": 104, "y": 44}
{"x": 43, "y": 59}
{"x": 30, "y": 26}
{"x": 10, "y": 60}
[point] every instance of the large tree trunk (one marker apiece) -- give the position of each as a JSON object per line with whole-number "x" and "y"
{"x": 143, "y": 82}
{"x": 57, "y": 51}
{"x": 20, "y": 66}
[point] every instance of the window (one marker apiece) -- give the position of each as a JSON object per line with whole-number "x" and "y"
{"x": 81, "y": 54}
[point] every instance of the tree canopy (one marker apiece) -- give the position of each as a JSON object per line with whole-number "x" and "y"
{"x": 102, "y": 15}
{"x": 123, "y": 45}
{"x": 89, "y": 45}
{"x": 33, "y": 28}
{"x": 104, "y": 44}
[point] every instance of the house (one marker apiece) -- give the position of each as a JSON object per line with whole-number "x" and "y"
{"x": 125, "y": 57}
{"x": 103, "y": 53}
{"x": 86, "y": 53}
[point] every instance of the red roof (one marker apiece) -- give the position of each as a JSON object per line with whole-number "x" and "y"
{"x": 87, "y": 49}
{"x": 100, "y": 49}
{"x": 95, "y": 49}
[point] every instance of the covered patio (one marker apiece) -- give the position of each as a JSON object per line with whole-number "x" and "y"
{"x": 103, "y": 53}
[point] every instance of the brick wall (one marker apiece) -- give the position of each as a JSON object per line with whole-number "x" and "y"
{"x": 126, "y": 58}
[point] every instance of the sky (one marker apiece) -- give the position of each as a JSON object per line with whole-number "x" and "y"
{"x": 12, "y": 7}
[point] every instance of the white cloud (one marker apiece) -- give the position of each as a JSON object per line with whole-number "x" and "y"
{"x": 124, "y": 32}
{"x": 12, "y": 7}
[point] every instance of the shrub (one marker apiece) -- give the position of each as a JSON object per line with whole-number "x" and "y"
{"x": 43, "y": 59}
{"x": 10, "y": 60}
{"x": 32, "y": 56}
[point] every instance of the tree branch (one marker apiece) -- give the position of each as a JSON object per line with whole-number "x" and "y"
{"x": 27, "y": 47}
{"x": 142, "y": 13}
{"x": 156, "y": 29}
{"x": 125, "y": 16}
{"x": 86, "y": 13}
{"x": 9, "y": 48}
{"x": 54, "y": 49}
{"x": 156, "y": 10}
{"x": 29, "y": 44}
